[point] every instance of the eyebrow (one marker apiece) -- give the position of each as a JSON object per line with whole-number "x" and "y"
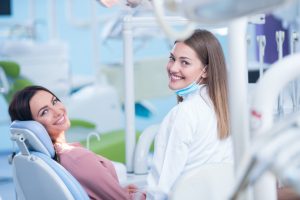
{"x": 182, "y": 57}
{"x": 42, "y": 108}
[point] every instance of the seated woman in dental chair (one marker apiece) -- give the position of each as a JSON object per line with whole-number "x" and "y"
{"x": 95, "y": 173}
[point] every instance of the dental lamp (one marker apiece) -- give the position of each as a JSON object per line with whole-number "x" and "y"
{"x": 215, "y": 11}
{"x": 208, "y": 12}
{"x": 278, "y": 151}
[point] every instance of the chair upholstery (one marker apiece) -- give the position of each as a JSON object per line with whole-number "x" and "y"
{"x": 36, "y": 175}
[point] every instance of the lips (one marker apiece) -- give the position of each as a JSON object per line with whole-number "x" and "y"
{"x": 61, "y": 120}
{"x": 174, "y": 77}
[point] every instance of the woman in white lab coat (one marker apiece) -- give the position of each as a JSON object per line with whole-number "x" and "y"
{"x": 196, "y": 131}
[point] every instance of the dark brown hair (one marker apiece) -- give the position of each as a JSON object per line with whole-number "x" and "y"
{"x": 19, "y": 108}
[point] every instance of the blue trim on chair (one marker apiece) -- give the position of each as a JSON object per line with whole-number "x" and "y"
{"x": 71, "y": 183}
{"x": 37, "y": 130}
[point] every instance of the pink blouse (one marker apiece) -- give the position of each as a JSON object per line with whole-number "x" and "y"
{"x": 95, "y": 173}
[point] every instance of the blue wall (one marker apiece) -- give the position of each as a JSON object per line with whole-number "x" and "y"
{"x": 80, "y": 39}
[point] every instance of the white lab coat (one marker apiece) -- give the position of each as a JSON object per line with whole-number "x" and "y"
{"x": 187, "y": 138}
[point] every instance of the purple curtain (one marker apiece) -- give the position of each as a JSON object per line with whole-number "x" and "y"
{"x": 269, "y": 30}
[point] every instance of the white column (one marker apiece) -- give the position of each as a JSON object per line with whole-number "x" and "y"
{"x": 129, "y": 92}
{"x": 238, "y": 89}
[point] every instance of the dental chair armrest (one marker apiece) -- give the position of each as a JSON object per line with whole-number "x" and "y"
{"x": 142, "y": 149}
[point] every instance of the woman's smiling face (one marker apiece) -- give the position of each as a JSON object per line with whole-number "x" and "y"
{"x": 50, "y": 112}
{"x": 184, "y": 67}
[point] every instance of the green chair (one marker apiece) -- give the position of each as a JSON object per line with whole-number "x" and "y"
{"x": 112, "y": 145}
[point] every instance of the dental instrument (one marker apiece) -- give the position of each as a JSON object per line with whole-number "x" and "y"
{"x": 279, "y": 42}
{"x": 294, "y": 95}
{"x": 261, "y": 40}
{"x": 253, "y": 76}
{"x": 294, "y": 41}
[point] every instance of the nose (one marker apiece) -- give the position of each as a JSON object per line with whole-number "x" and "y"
{"x": 173, "y": 66}
{"x": 57, "y": 111}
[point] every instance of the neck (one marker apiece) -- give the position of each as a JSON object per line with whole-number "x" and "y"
{"x": 61, "y": 138}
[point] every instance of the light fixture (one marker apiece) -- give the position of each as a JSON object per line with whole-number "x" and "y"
{"x": 216, "y": 11}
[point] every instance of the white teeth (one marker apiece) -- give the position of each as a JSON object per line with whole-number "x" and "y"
{"x": 174, "y": 77}
{"x": 61, "y": 120}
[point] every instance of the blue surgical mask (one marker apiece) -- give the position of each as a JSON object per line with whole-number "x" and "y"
{"x": 190, "y": 88}
{"x": 187, "y": 90}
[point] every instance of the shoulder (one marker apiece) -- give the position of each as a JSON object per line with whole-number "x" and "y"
{"x": 200, "y": 103}
{"x": 191, "y": 109}
{"x": 70, "y": 153}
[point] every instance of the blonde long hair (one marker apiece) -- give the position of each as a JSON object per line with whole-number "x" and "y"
{"x": 209, "y": 51}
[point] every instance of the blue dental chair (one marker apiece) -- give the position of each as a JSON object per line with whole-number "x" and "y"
{"x": 36, "y": 175}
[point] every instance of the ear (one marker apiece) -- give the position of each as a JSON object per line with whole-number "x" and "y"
{"x": 204, "y": 74}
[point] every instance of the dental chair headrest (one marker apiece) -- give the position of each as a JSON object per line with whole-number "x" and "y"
{"x": 36, "y": 136}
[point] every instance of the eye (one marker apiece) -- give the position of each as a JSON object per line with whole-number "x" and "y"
{"x": 55, "y": 101}
{"x": 185, "y": 63}
{"x": 44, "y": 112}
{"x": 171, "y": 58}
